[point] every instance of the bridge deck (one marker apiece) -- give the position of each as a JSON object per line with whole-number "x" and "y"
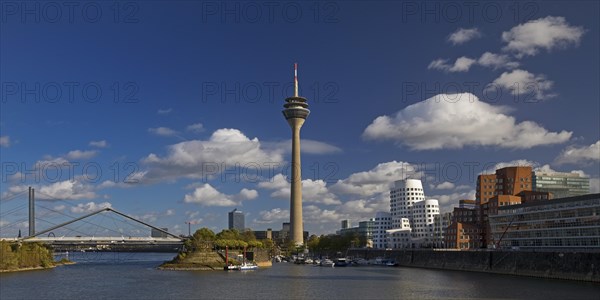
{"x": 105, "y": 239}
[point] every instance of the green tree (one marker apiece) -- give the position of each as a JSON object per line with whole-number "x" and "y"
{"x": 248, "y": 235}
{"x": 228, "y": 234}
{"x": 313, "y": 243}
{"x": 204, "y": 234}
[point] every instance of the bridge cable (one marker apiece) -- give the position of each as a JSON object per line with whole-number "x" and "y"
{"x": 84, "y": 221}
{"x": 12, "y": 197}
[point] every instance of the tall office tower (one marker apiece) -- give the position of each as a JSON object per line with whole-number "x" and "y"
{"x": 295, "y": 112}
{"x": 236, "y": 220}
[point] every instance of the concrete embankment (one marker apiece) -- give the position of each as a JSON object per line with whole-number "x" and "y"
{"x": 584, "y": 266}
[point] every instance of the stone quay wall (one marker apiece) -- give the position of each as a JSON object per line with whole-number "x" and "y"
{"x": 583, "y": 266}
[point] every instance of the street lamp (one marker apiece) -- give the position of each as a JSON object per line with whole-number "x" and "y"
{"x": 189, "y": 228}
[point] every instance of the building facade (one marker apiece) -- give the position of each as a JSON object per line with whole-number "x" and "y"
{"x": 365, "y": 231}
{"x": 440, "y": 224}
{"x": 463, "y": 236}
{"x": 562, "y": 223}
{"x": 236, "y": 220}
{"x": 411, "y": 220}
{"x": 383, "y": 222}
{"x": 506, "y": 181}
{"x": 561, "y": 185}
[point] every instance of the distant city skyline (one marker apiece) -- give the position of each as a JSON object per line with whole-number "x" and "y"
{"x": 172, "y": 113}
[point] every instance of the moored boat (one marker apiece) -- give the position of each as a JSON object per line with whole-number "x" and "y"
{"x": 247, "y": 266}
{"x": 341, "y": 262}
{"x": 327, "y": 263}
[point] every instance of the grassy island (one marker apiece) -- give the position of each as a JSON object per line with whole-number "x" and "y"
{"x": 24, "y": 256}
{"x": 205, "y": 250}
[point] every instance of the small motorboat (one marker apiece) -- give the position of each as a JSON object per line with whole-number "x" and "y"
{"x": 247, "y": 266}
{"x": 327, "y": 263}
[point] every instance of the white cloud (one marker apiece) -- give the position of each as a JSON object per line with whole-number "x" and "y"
{"x": 308, "y": 147}
{"x": 207, "y": 195}
{"x": 192, "y": 214}
{"x": 314, "y": 191}
{"x": 169, "y": 212}
{"x": 248, "y": 194}
{"x": 448, "y": 201}
{"x": 580, "y": 155}
{"x": 197, "y": 127}
{"x": 226, "y": 148}
{"x": 365, "y": 208}
{"x": 99, "y": 144}
{"x": 491, "y": 167}
{"x": 375, "y": 181}
{"x": 496, "y": 61}
{"x": 89, "y": 207}
{"x": 314, "y": 215}
{"x": 163, "y": 131}
{"x": 67, "y": 190}
{"x": 74, "y": 189}
{"x": 5, "y": 141}
{"x": 272, "y": 216}
{"x": 462, "y": 64}
{"x": 521, "y": 82}
{"x": 78, "y": 154}
{"x": 458, "y": 120}
{"x": 446, "y": 185}
{"x": 463, "y": 35}
{"x": 545, "y": 33}
{"x": 462, "y": 187}
{"x": 164, "y": 111}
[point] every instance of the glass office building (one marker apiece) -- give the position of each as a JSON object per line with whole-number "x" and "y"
{"x": 564, "y": 223}
{"x": 561, "y": 185}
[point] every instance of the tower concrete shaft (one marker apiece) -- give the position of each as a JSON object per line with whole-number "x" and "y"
{"x": 295, "y": 112}
{"x": 297, "y": 226}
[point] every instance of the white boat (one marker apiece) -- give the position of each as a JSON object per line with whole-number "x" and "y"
{"x": 247, "y": 266}
{"x": 327, "y": 263}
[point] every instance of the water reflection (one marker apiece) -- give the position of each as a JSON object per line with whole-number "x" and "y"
{"x": 123, "y": 276}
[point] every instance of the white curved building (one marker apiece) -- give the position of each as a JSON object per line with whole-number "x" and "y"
{"x": 412, "y": 217}
{"x": 383, "y": 222}
{"x": 422, "y": 224}
{"x": 402, "y": 197}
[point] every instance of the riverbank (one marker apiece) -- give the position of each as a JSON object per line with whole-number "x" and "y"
{"x": 26, "y": 269}
{"x": 581, "y": 266}
{"x": 61, "y": 262}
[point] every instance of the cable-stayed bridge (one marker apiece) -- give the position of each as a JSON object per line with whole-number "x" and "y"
{"x": 88, "y": 232}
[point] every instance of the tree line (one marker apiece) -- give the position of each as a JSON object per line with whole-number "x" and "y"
{"x": 14, "y": 256}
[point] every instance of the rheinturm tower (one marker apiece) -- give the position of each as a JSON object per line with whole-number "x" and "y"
{"x": 295, "y": 112}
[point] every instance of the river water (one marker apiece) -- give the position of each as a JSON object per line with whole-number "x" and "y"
{"x": 134, "y": 276}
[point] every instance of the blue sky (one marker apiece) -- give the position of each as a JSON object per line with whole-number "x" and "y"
{"x": 171, "y": 110}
